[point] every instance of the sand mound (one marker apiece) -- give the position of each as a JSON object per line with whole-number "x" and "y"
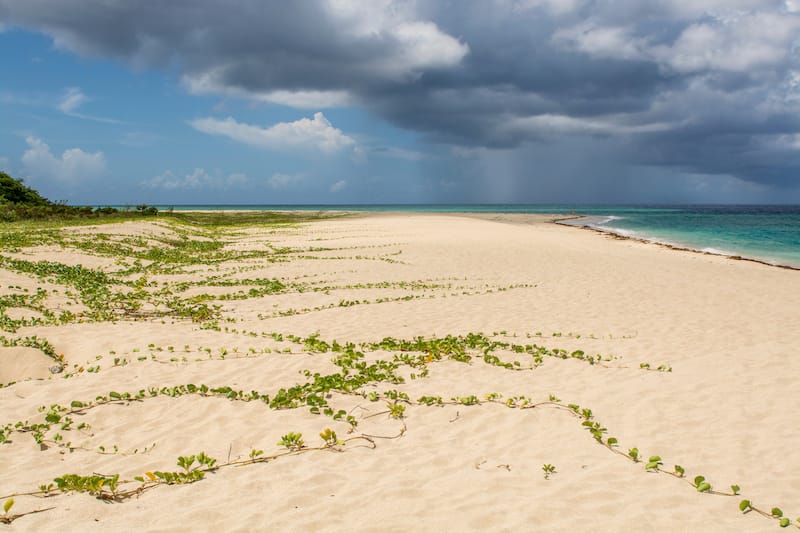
{"x": 20, "y": 363}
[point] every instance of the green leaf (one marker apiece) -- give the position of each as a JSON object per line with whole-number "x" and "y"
{"x": 744, "y": 505}
{"x": 704, "y": 486}
{"x": 784, "y": 522}
{"x": 776, "y": 512}
{"x": 612, "y": 441}
{"x": 698, "y": 480}
{"x": 8, "y": 505}
{"x": 679, "y": 470}
{"x": 654, "y": 462}
{"x": 735, "y": 489}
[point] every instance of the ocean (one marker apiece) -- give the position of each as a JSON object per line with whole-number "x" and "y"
{"x": 766, "y": 233}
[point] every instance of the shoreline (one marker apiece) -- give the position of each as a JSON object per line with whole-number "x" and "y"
{"x": 677, "y": 247}
{"x": 509, "y": 217}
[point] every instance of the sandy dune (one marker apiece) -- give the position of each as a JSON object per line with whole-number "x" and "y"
{"x": 723, "y": 404}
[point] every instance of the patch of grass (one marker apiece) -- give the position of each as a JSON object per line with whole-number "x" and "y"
{"x": 217, "y": 219}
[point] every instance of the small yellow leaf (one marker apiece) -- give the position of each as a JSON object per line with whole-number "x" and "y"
{"x": 151, "y": 475}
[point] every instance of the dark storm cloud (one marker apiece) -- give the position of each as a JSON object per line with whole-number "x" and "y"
{"x": 255, "y": 45}
{"x": 709, "y": 86}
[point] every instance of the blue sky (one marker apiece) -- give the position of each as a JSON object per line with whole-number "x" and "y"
{"x": 336, "y": 101}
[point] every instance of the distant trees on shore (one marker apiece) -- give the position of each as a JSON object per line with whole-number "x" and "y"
{"x": 20, "y": 202}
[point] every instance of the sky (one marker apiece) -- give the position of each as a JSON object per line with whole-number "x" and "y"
{"x": 399, "y": 101}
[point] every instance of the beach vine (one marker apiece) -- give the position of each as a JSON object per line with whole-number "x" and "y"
{"x": 353, "y": 379}
{"x": 190, "y": 273}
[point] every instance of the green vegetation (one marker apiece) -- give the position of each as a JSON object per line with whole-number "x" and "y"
{"x": 356, "y": 377}
{"x": 15, "y": 192}
{"x": 20, "y": 202}
{"x": 189, "y": 271}
{"x": 216, "y": 219}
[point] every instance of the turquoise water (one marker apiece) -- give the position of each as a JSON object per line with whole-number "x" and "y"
{"x": 767, "y": 233}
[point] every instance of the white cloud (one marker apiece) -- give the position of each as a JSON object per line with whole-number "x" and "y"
{"x": 727, "y": 41}
{"x": 73, "y": 98}
{"x": 556, "y": 7}
{"x": 198, "y": 179}
{"x": 368, "y": 18}
{"x": 423, "y": 46}
{"x": 786, "y": 96}
{"x": 418, "y": 45}
{"x": 601, "y": 41}
{"x": 396, "y": 45}
{"x": 548, "y": 124}
{"x": 317, "y": 133}
{"x": 169, "y": 181}
{"x": 734, "y": 43}
{"x": 73, "y": 165}
{"x": 689, "y": 9}
{"x": 236, "y": 179}
{"x": 283, "y": 181}
{"x": 307, "y": 99}
{"x": 338, "y": 186}
{"x": 787, "y": 141}
{"x": 212, "y": 82}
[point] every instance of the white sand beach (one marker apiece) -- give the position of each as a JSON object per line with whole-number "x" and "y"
{"x": 697, "y": 365}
